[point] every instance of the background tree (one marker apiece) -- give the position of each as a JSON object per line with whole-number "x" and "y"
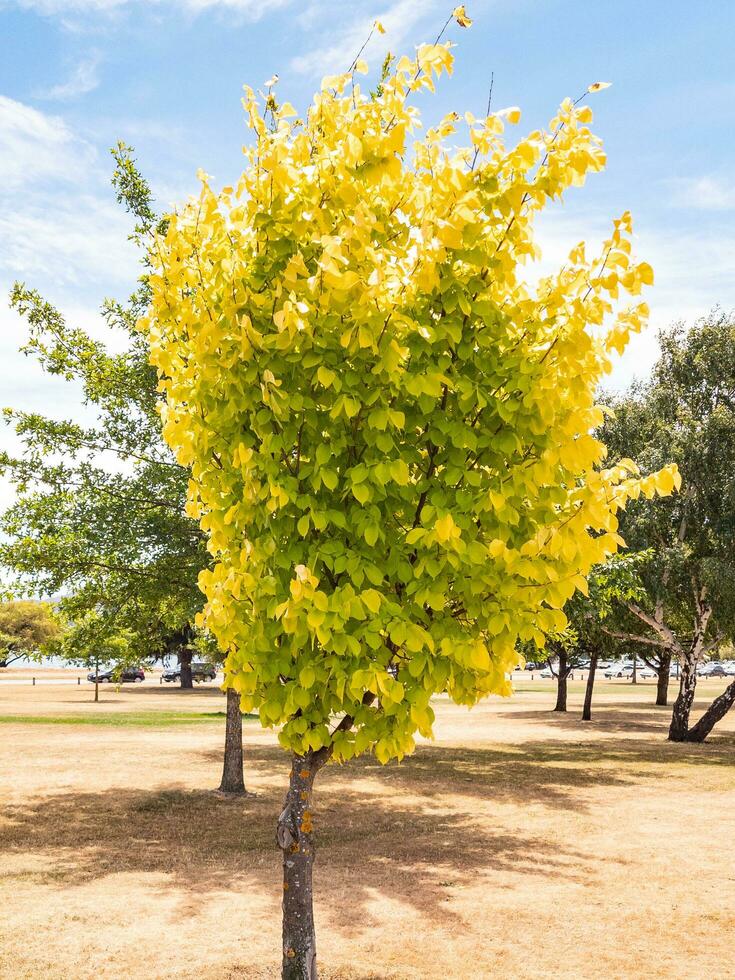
{"x": 388, "y": 431}
{"x": 590, "y": 613}
{"x": 26, "y": 628}
{"x": 99, "y": 513}
{"x": 91, "y": 643}
{"x": 687, "y": 414}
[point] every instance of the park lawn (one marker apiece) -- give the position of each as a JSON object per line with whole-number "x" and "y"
{"x": 519, "y": 844}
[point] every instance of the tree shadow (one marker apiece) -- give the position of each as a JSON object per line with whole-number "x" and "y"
{"x": 414, "y": 829}
{"x": 411, "y": 831}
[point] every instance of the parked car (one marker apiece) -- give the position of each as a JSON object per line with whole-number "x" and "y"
{"x": 532, "y": 665}
{"x": 546, "y": 673}
{"x": 714, "y": 669}
{"x": 131, "y": 675}
{"x": 199, "y": 672}
{"x": 643, "y": 672}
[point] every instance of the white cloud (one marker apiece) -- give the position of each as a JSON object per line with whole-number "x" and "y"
{"x": 79, "y": 242}
{"x": 58, "y": 220}
{"x": 706, "y": 193}
{"x": 84, "y": 78}
{"x": 63, "y": 234}
{"x": 339, "y": 44}
{"x": 37, "y": 147}
{"x": 66, "y": 8}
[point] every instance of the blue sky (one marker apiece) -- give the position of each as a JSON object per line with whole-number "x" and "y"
{"x": 167, "y": 77}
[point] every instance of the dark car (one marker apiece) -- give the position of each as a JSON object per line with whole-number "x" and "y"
{"x": 129, "y": 675}
{"x": 199, "y": 672}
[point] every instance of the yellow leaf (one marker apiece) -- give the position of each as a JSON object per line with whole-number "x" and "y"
{"x": 379, "y": 27}
{"x": 325, "y": 376}
{"x": 460, "y": 15}
{"x": 598, "y": 86}
{"x": 446, "y": 528}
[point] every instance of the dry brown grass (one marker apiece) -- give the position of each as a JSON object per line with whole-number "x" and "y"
{"x": 519, "y": 844}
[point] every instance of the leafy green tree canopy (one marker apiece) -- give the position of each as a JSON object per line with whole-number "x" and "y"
{"x": 26, "y": 628}
{"x": 685, "y": 414}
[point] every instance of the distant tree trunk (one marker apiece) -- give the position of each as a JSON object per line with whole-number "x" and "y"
{"x": 561, "y": 683}
{"x": 97, "y": 679}
{"x": 634, "y": 678}
{"x": 662, "y": 685}
{"x": 232, "y": 775}
{"x": 587, "y": 709}
{"x": 716, "y": 711}
{"x": 185, "y": 655}
{"x": 294, "y": 834}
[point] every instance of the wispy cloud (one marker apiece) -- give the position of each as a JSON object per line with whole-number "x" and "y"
{"x": 338, "y": 42}
{"x": 67, "y": 8}
{"x": 35, "y": 147}
{"x": 53, "y": 7}
{"x": 706, "y": 193}
{"x": 58, "y": 220}
{"x": 84, "y": 78}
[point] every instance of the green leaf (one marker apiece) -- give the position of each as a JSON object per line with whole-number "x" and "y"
{"x": 361, "y": 493}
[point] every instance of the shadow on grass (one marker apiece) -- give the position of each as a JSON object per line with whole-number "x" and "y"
{"x": 410, "y": 831}
{"x": 369, "y": 834}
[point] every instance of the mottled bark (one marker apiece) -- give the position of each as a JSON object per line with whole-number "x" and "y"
{"x": 662, "y": 685}
{"x": 295, "y": 837}
{"x": 587, "y": 709}
{"x": 561, "y": 683}
{"x": 232, "y": 769}
{"x": 185, "y": 656}
{"x": 679, "y": 727}
{"x": 716, "y": 712}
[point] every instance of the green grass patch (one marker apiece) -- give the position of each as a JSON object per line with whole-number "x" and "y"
{"x": 128, "y": 719}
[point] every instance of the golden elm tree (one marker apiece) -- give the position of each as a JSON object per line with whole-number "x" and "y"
{"x": 388, "y": 430}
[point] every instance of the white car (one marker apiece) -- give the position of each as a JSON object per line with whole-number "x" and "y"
{"x": 625, "y": 671}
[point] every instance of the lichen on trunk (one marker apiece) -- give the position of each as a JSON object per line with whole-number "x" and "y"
{"x": 295, "y": 837}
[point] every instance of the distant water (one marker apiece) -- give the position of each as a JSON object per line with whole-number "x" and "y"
{"x": 57, "y": 663}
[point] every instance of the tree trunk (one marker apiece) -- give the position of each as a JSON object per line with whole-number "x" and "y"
{"x": 634, "y": 678}
{"x": 679, "y": 728}
{"x": 662, "y": 685}
{"x": 716, "y": 712}
{"x": 97, "y": 679}
{"x": 232, "y": 776}
{"x": 185, "y": 663}
{"x": 587, "y": 710}
{"x": 561, "y": 683}
{"x": 294, "y": 834}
